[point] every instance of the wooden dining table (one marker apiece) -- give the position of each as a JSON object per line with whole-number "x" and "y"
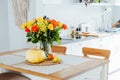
{"x": 71, "y": 66}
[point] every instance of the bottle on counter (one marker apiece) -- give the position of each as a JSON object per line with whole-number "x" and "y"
{"x": 77, "y": 34}
{"x": 72, "y": 34}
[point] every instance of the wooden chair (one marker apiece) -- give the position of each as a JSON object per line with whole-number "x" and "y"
{"x": 58, "y": 49}
{"x": 100, "y": 53}
{"x": 12, "y": 76}
{"x": 96, "y": 52}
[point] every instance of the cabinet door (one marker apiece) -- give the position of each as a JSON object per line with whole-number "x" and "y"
{"x": 93, "y": 43}
{"x": 94, "y": 74}
{"x": 112, "y": 43}
{"x": 68, "y": 46}
{"x": 115, "y": 54}
{"x": 114, "y": 2}
{"x": 76, "y": 48}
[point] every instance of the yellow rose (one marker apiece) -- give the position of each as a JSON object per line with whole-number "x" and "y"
{"x": 43, "y": 28}
{"x": 23, "y": 26}
{"x": 45, "y": 21}
{"x": 50, "y": 26}
{"x": 33, "y": 21}
{"x": 30, "y": 23}
{"x": 40, "y": 19}
{"x": 60, "y": 24}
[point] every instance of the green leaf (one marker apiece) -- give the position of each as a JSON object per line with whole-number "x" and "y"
{"x": 58, "y": 41}
{"x": 29, "y": 40}
{"x": 29, "y": 34}
{"x": 34, "y": 40}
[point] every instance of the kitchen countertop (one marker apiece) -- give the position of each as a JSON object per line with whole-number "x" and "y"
{"x": 99, "y": 35}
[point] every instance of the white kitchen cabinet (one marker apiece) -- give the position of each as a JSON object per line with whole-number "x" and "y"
{"x": 115, "y": 54}
{"x": 110, "y": 43}
{"x": 114, "y": 2}
{"x": 68, "y": 46}
{"x": 95, "y": 74}
{"x": 76, "y": 48}
{"x": 103, "y": 3}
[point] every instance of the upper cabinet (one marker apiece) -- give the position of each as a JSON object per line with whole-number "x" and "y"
{"x": 101, "y": 2}
{"x": 86, "y": 2}
{"x": 107, "y": 2}
{"x": 111, "y": 2}
{"x": 114, "y": 2}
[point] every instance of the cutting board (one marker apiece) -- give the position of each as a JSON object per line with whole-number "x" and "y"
{"x": 95, "y": 34}
{"x": 89, "y": 34}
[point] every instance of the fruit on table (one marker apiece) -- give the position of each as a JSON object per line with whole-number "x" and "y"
{"x": 50, "y": 56}
{"x": 35, "y": 55}
{"x": 57, "y": 59}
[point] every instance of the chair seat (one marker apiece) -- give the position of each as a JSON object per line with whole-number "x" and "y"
{"x": 12, "y": 76}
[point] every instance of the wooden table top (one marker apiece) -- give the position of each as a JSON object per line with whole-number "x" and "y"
{"x": 70, "y": 67}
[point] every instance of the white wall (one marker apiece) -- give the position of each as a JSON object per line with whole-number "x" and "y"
{"x": 107, "y": 13}
{"x": 116, "y": 14}
{"x": 17, "y": 37}
{"x": 71, "y": 13}
{"x": 4, "y": 37}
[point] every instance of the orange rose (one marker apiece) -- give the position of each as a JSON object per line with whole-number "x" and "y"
{"x": 35, "y": 28}
{"x": 27, "y": 30}
{"x": 54, "y": 22}
{"x": 60, "y": 24}
{"x": 64, "y": 26}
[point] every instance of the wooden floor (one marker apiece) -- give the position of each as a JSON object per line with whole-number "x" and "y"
{"x": 114, "y": 75}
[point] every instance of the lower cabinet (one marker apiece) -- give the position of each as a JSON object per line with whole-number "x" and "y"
{"x": 98, "y": 73}
{"x": 76, "y": 48}
{"x": 110, "y": 42}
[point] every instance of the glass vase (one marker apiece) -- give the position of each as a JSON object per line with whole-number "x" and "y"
{"x": 45, "y": 47}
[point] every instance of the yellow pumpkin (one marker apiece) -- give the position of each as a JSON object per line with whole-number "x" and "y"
{"x": 35, "y": 55}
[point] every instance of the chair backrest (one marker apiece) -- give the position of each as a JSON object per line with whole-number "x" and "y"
{"x": 58, "y": 49}
{"x": 96, "y": 52}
